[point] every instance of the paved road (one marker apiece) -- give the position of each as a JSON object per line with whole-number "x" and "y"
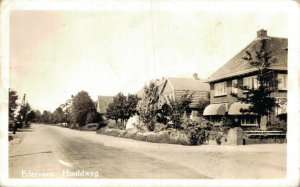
{"x": 50, "y": 151}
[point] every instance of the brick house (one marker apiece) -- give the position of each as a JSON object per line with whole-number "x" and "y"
{"x": 239, "y": 72}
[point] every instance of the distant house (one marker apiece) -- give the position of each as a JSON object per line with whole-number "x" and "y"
{"x": 239, "y": 72}
{"x": 103, "y": 102}
{"x": 175, "y": 87}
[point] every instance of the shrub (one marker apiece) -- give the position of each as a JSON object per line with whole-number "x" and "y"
{"x": 151, "y": 125}
{"x": 198, "y": 130}
{"x": 158, "y": 127}
{"x": 278, "y": 125}
{"x": 115, "y": 125}
{"x": 140, "y": 127}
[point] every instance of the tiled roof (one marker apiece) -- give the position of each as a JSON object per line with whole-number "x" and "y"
{"x": 103, "y": 102}
{"x": 188, "y": 84}
{"x": 237, "y": 66}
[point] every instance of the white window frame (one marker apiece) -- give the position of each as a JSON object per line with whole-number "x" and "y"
{"x": 220, "y": 89}
{"x": 245, "y": 121}
{"x": 251, "y": 82}
{"x": 233, "y": 88}
{"x": 282, "y": 84}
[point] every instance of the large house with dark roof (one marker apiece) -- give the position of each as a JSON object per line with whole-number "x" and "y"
{"x": 239, "y": 72}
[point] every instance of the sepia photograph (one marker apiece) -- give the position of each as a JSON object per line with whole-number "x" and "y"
{"x": 194, "y": 92}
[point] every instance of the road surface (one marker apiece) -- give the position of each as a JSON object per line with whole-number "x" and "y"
{"x": 56, "y": 152}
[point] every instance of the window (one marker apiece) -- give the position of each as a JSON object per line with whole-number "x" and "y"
{"x": 282, "y": 79}
{"x": 249, "y": 121}
{"x": 220, "y": 89}
{"x": 233, "y": 86}
{"x": 251, "y": 82}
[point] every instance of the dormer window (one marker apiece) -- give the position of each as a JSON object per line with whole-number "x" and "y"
{"x": 220, "y": 89}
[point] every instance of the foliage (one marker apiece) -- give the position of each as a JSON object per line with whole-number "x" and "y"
{"x": 66, "y": 107}
{"x": 122, "y": 107}
{"x": 94, "y": 117}
{"x": 198, "y": 130}
{"x": 277, "y": 125}
{"x": 177, "y": 108}
{"x": 37, "y": 116}
{"x": 30, "y": 116}
{"x": 202, "y": 104}
{"x": 82, "y": 104}
{"x": 58, "y": 115}
{"x": 147, "y": 107}
{"x": 259, "y": 98}
{"x": 13, "y": 97}
{"x": 24, "y": 110}
{"x": 46, "y": 117}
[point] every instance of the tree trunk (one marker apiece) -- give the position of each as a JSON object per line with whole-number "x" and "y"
{"x": 259, "y": 121}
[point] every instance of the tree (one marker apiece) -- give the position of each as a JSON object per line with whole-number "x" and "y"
{"x": 66, "y": 107}
{"x": 147, "y": 107}
{"x": 260, "y": 100}
{"x": 45, "y": 117}
{"x": 37, "y": 116}
{"x": 59, "y": 115}
{"x": 30, "y": 116}
{"x": 24, "y": 110}
{"x": 202, "y": 104}
{"x": 177, "y": 108}
{"x": 122, "y": 107}
{"x": 93, "y": 117}
{"x": 82, "y": 104}
{"x": 13, "y": 97}
{"x": 130, "y": 106}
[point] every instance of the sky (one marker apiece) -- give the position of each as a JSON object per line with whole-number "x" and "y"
{"x": 54, "y": 54}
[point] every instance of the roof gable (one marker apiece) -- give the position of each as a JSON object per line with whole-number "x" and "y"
{"x": 103, "y": 102}
{"x": 187, "y": 84}
{"x": 237, "y": 66}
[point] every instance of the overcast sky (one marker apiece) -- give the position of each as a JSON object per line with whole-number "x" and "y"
{"x": 55, "y": 54}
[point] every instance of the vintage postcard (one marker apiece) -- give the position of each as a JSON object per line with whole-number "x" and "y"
{"x": 149, "y": 93}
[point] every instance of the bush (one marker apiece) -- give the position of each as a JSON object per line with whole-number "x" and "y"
{"x": 170, "y": 136}
{"x": 158, "y": 127}
{"x": 90, "y": 127}
{"x": 115, "y": 125}
{"x": 151, "y": 125}
{"x": 277, "y": 125}
{"x": 140, "y": 127}
{"x": 198, "y": 130}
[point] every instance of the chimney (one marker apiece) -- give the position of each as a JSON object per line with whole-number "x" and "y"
{"x": 195, "y": 76}
{"x": 262, "y": 33}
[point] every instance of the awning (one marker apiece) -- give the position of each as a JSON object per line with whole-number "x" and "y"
{"x": 235, "y": 108}
{"x": 215, "y": 109}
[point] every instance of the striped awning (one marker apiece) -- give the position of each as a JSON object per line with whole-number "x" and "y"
{"x": 235, "y": 108}
{"x": 215, "y": 109}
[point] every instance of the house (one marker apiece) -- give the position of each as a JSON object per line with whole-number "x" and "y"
{"x": 175, "y": 87}
{"x": 102, "y": 103}
{"x": 239, "y": 72}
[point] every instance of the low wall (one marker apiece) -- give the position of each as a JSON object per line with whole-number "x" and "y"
{"x": 265, "y": 141}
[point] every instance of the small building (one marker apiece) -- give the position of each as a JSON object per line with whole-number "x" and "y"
{"x": 239, "y": 72}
